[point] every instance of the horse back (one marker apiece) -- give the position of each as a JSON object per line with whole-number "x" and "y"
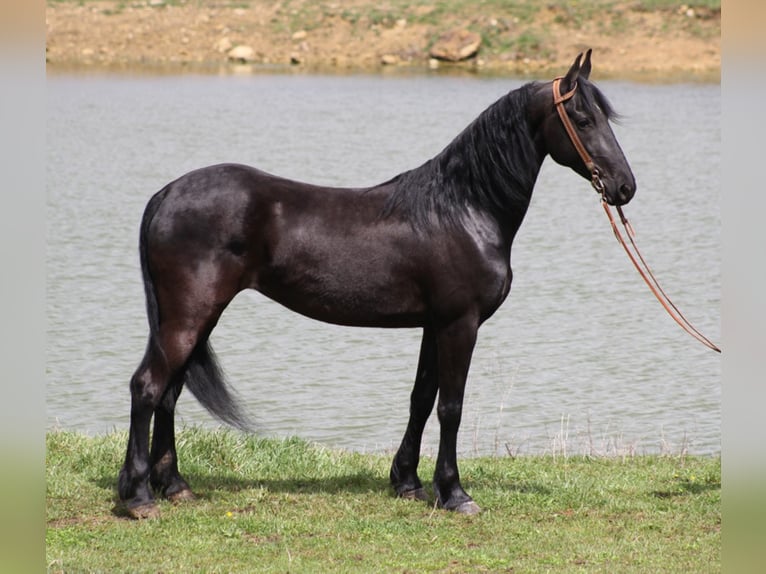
{"x": 327, "y": 252}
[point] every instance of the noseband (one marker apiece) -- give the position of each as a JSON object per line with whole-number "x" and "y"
{"x": 595, "y": 180}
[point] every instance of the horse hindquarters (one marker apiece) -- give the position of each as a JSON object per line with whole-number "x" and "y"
{"x": 187, "y": 289}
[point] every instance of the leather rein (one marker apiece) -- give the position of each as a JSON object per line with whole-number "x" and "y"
{"x": 638, "y": 260}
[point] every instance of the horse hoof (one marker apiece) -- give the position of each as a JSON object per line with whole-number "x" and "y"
{"x": 416, "y": 494}
{"x": 183, "y": 495}
{"x": 468, "y": 508}
{"x": 144, "y": 511}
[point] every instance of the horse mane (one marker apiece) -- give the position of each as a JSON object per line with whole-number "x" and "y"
{"x": 491, "y": 165}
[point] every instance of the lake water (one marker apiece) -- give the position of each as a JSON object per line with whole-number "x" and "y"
{"x": 580, "y": 358}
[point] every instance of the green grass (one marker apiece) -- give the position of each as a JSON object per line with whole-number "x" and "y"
{"x": 290, "y": 506}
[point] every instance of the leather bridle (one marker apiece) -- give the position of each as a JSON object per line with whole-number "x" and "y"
{"x": 598, "y": 185}
{"x": 558, "y": 101}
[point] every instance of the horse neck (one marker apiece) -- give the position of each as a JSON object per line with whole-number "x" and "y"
{"x": 495, "y": 161}
{"x": 489, "y": 168}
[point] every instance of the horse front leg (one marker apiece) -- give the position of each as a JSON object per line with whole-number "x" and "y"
{"x": 455, "y": 345}
{"x": 404, "y": 470}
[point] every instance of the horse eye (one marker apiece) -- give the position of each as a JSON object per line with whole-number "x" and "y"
{"x": 582, "y": 123}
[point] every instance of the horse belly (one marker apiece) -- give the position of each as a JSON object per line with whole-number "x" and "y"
{"x": 345, "y": 282}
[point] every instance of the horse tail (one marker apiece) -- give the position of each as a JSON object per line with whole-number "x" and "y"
{"x": 205, "y": 380}
{"x": 201, "y": 372}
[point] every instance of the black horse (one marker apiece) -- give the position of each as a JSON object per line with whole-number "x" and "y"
{"x": 429, "y": 248}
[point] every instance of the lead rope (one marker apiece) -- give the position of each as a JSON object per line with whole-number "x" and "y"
{"x": 651, "y": 280}
{"x": 645, "y": 272}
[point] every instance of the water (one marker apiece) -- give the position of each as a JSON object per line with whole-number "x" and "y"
{"x": 580, "y": 358}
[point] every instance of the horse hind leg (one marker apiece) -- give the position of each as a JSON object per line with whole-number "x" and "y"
{"x": 164, "y": 476}
{"x": 146, "y": 388}
{"x": 203, "y": 376}
{"x": 176, "y": 354}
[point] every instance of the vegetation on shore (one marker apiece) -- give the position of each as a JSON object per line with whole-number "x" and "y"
{"x": 517, "y": 36}
{"x": 290, "y": 506}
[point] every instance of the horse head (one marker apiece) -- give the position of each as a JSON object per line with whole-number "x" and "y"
{"x": 587, "y": 144}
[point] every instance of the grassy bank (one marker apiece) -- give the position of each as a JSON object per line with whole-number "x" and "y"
{"x": 289, "y": 506}
{"x": 664, "y": 37}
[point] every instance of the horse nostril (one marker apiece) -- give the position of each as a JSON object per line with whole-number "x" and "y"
{"x": 626, "y": 191}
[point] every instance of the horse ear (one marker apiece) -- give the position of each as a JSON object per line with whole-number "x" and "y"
{"x": 585, "y": 67}
{"x": 569, "y": 81}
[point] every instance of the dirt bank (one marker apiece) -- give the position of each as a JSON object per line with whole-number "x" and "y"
{"x": 629, "y": 39}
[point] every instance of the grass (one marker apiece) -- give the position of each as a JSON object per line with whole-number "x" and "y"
{"x": 289, "y": 506}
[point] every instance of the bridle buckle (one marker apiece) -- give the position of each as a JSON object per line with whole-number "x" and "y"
{"x": 597, "y": 183}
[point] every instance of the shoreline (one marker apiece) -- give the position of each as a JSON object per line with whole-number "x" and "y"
{"x": 712, "y": 76}
{"x": 630, "y": 41}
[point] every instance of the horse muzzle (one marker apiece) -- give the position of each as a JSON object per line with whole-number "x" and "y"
{"x": 619, "y": 194}
{"x": 615, "y": 192}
